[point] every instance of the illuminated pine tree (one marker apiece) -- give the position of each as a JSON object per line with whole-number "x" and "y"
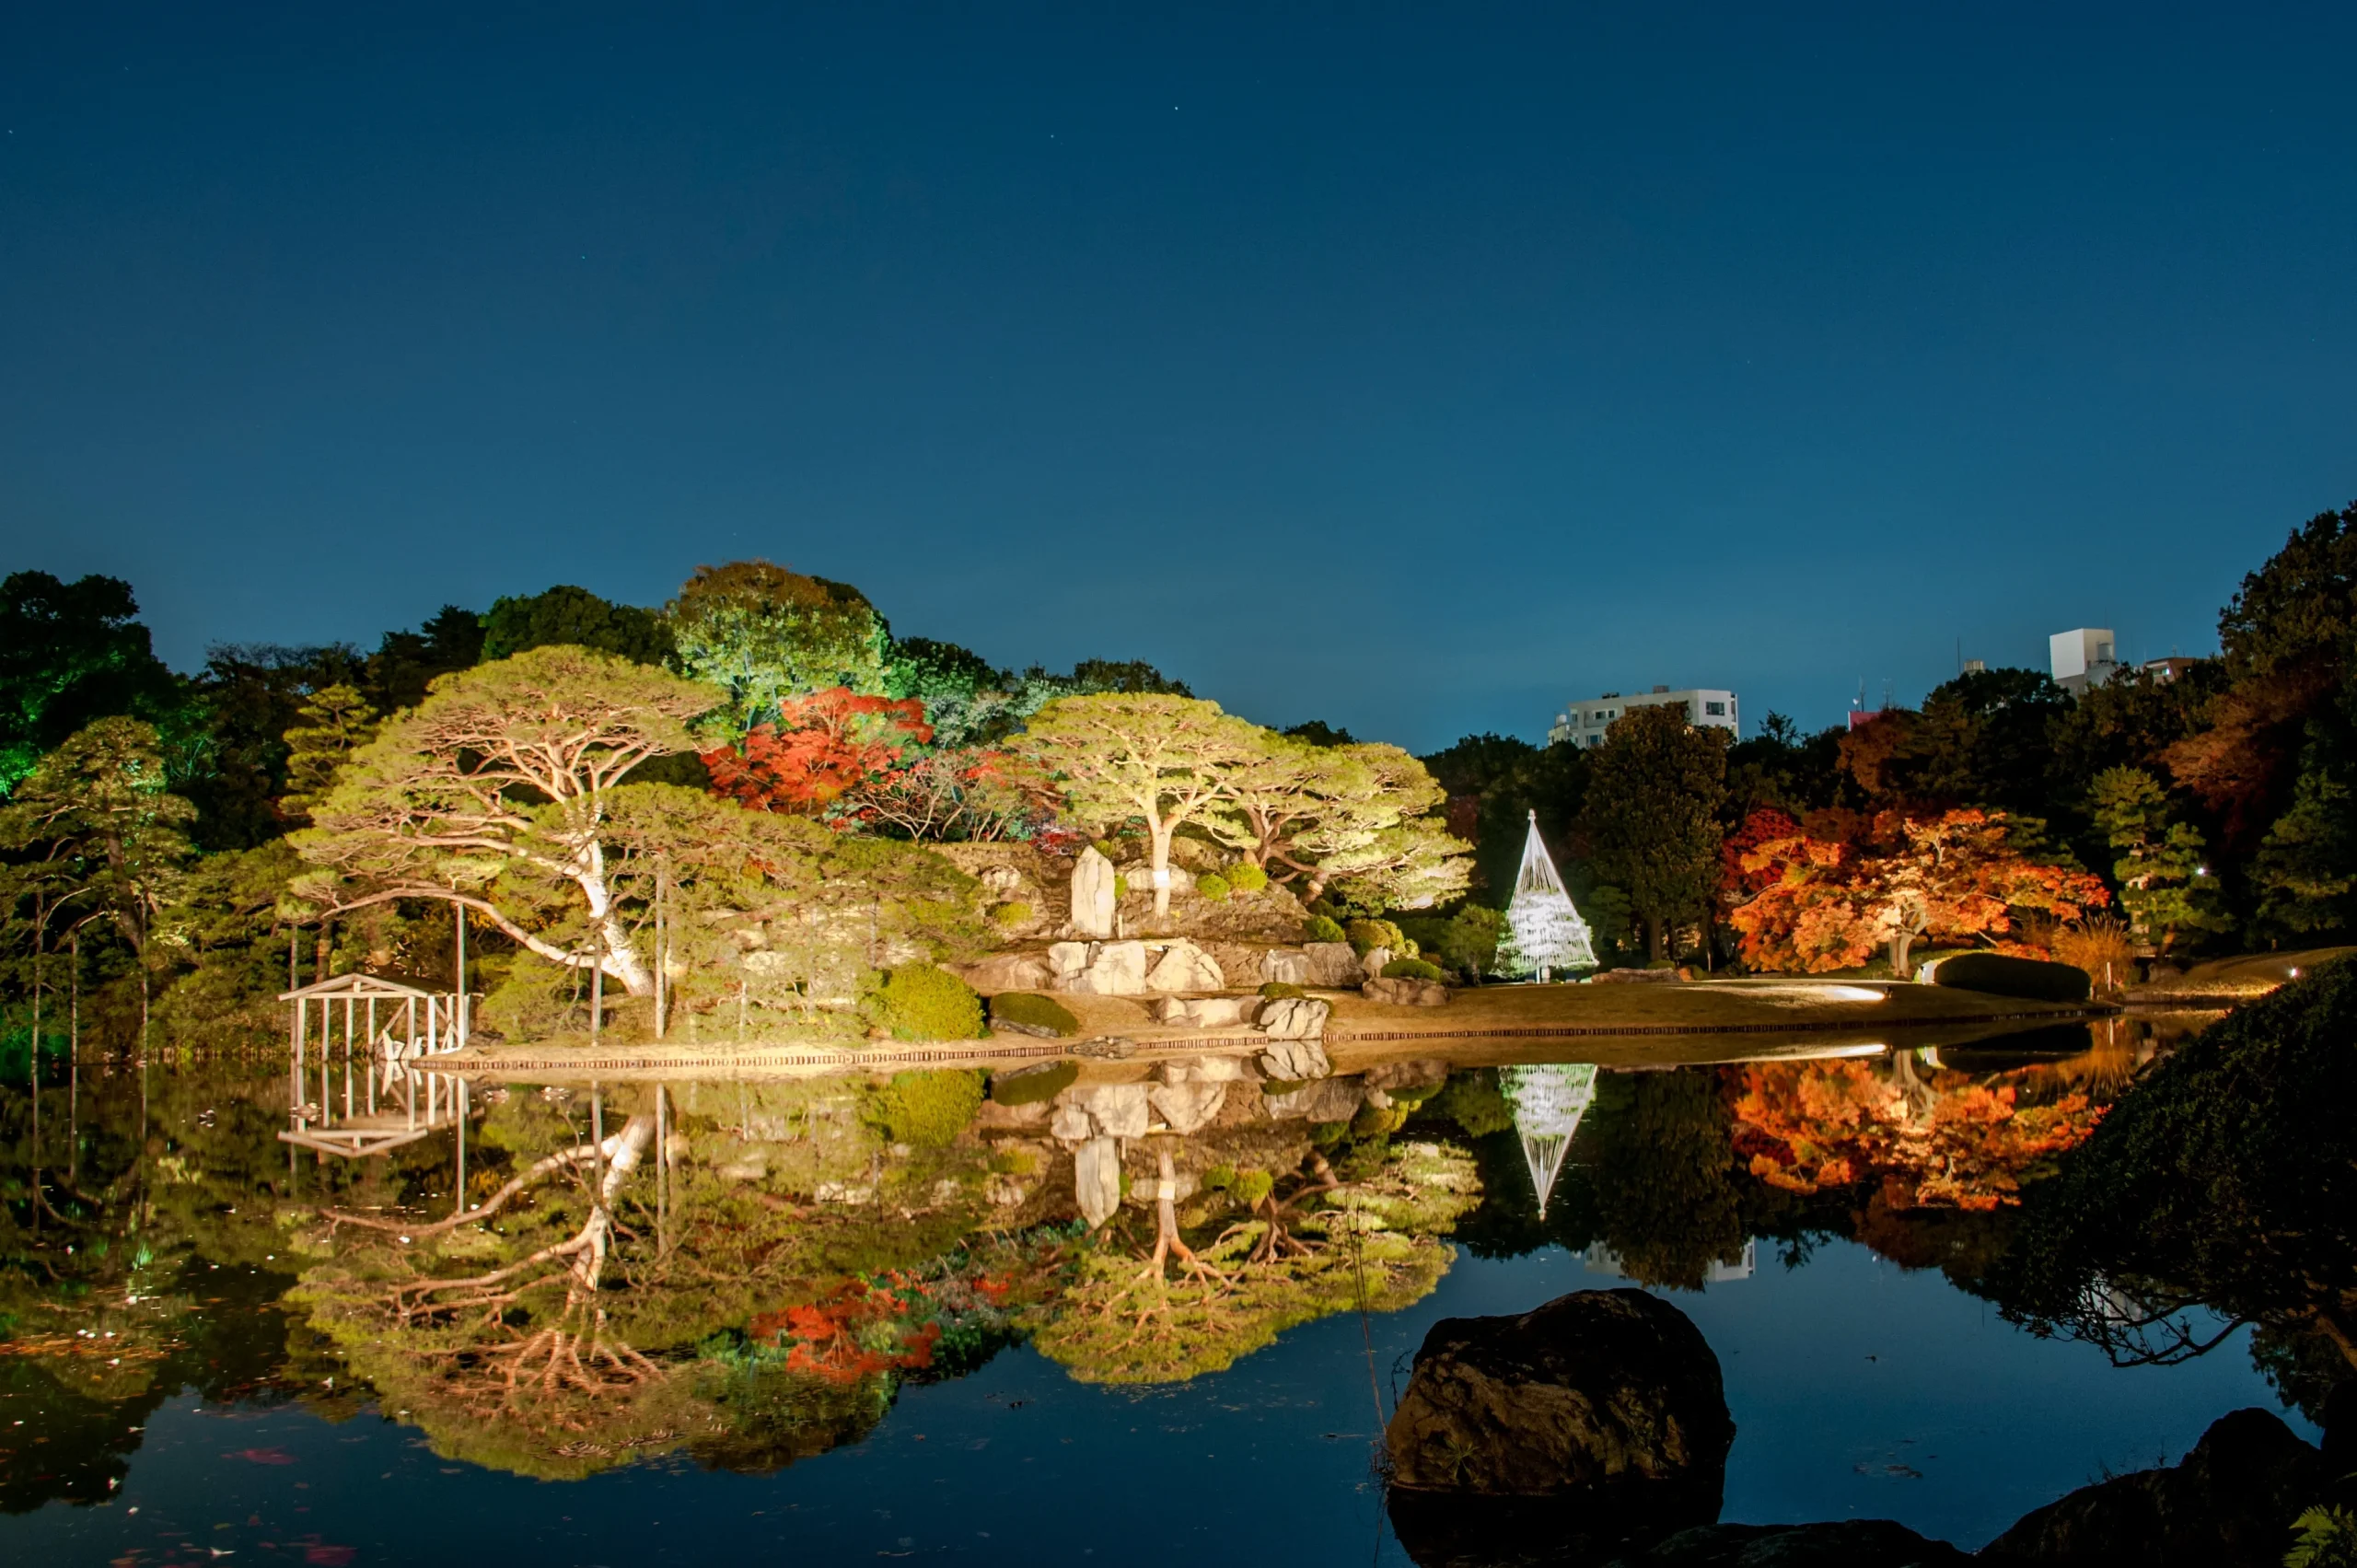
{"x": 1545, "y": 935}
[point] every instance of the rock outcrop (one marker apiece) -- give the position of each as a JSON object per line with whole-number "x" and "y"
{"x": 1406, "y": 992}
{"x": 2231, "y": 1501}
{"x": 1326, "y": 1100}
{"x": 1206, "y": 1012}
{"x": 1097, "y": 1179}
{"x": 1187, "y": 1108}
{"x": 1295, "y": 1061}
{"x": 1184, "y": 967}
{"x": 1332, "y": 966}
{"x": 1092, "y": 896}
{"x": 1008, "y": 971}
{"x": 1107, "y": 1110}
{"x": 1287, "y": 966}
{"x": 1099, "y": 968}
{"x": 1598, "y": 1390}
{"x": 1293, "y": 1017}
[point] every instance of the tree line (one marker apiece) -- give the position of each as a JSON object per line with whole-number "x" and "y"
{"x": 732, "y": 791}
{"x": 2204, "y": 806}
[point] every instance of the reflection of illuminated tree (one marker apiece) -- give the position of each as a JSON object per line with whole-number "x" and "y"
{"x": 1369, "y": 1244}
{"x": 526, "y": 1346}
{"x": 2226, "y": 1182}
{"x": 1925, "y": 1138}
{"x": 1666, "y": 1194}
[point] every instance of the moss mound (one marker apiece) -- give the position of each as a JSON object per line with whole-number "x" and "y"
{"x": 1411, "y": 968}
{"x": 923, "y": 1002}
{"x": 1278, "y": 990}
{"x": 1247, "y": 878}
{"x": 927, "y": 1110}
{"x": 1213, "y": 885}
{"x": 1319, "y": 928}
{"x": 1027, "y": 1012}
{"x": 1030, "y": 1086}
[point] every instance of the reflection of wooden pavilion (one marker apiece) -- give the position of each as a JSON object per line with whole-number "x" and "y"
{"x": 374, "y": 1034}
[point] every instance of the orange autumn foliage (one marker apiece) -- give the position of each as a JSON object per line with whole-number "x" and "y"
{"x": 1825, "y": 895}
{"x": 867, "y": 1326}
{"x": 1939, "y": 1140}
{"x": 824, "y": 747}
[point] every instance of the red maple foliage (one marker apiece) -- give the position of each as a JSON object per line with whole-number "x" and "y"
{"x": 1924, "y": 1140}
{"x": 824, "y": 747}
{"x": 1825, "y": 895}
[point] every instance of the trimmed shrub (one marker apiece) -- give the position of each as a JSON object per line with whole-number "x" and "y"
{"x": 1411, "y": 968}
{"x": 1318, "y": 928}
{"x": 1213, "y": 885}
{"x": 1278, "y": 990}
{"x": 1015, "y": 914}
{"x": 1247, "y": 878}
{"x": 924, "y": 1002}
{"x": 1030, "y": 1086}
{"x": 928, "y": 1110}
{"x": 1027, "y": 1012}
{"x": 1365, "y": 935}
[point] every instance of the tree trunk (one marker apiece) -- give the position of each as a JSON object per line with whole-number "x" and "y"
{"x": 1901, "y": 944}
{"x": 1158, "y": 867}
{"x": 1656, "y": 937}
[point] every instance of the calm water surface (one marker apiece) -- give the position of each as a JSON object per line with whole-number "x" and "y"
{"x": 267, "y": 1402}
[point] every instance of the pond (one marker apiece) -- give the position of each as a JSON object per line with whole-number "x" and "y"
{"x": 830, "y": 1318}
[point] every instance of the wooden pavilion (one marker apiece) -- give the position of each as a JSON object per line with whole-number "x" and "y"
{"x": 372, "y": 1039}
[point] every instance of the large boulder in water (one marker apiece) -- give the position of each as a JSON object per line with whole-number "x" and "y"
{"x": 1593, "y": 1424}
{"x": 2231, "y": 1503}
{"x": 1597, "y": 1388}
{"x": 1841, "y": 1543}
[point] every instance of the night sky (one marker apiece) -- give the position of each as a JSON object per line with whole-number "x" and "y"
{"x": 1415, "y": 368}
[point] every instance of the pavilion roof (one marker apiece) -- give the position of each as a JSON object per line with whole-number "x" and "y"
{"x": 356, "y": 984}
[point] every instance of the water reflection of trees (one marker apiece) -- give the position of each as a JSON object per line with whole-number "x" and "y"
{"x": 1672, "y": 1173}
{"x": 757, "y": 1285}
{"x": 140, "y": 1254}
{"x": 2222, "y": 1192}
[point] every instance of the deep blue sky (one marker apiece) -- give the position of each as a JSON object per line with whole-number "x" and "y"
{"x": 1411, "y": 367}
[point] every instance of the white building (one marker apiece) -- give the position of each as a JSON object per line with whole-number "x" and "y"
{"x": 1584, "y": 723}
{"x": 2083, "y": 657}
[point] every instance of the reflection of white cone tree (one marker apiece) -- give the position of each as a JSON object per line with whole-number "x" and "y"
{"x": 1547, "y": 1103}
{"x": 1545, "y": 935}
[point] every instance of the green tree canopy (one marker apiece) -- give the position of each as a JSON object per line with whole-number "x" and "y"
{"x": 1652, "y": 815}
{"x": 406, "y": 663}
{"x": 762, "y": 633}
{"x": 70, "y": 653}
{"x": 92, "y": 831}
{"x": 2164, "y": 882}
{"x": 1158, "y": 759}
{"x": 503, "y": 771}
{"x": 565, "y": 616}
